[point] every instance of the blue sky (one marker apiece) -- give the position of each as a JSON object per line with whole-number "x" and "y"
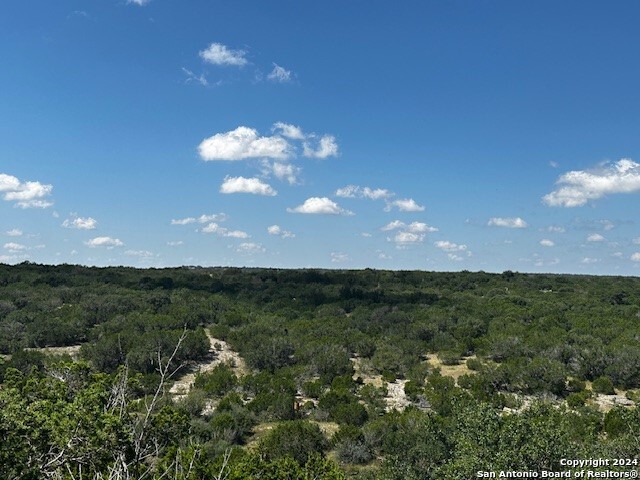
{"x": 408, "y": 135}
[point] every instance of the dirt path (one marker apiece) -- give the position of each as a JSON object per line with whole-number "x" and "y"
{"x": 219, "y": 352}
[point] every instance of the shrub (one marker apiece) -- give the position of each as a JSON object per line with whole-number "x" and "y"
{"x": 603, "y": 385}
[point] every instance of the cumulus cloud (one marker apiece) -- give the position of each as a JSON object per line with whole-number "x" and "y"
{"x": 282, "y": 171}
{"x": 511, "y": 222}
{"x": 447, "y": 246}
{"x": 16, "y": 232}
{"x": 104, "y": 242}
{"x": 404, "y": 239}
{"x": 319, "y": 206}
{"x": 276, "y": 230}
{"x": 635, "y": 257}
{"x": 224, "y": 232}
{"x": 246, "y": 185}
{"x": 80, "y": 223}
{"x": 577, "y": 187}
{"x": 326, "y": 147}
{"x": 353, "y": 191}
{"x": 250, "y": 248}
{"x": 243, "y": 143}
{"x": 289, "y": 131}
{"x": 221, "y": 55}
{"x": 545, "y": 242}
{"x": 405, "y": 205}
{"x": 216, "y": 217}
{"x": 13, "y": 247}
{"x": 595, "y": 237}
{"x": 25, "y": 194}
{"x": 279, "y": 74}
{"x": 413, "y": 227}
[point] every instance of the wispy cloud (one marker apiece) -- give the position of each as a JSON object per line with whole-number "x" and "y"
{"x": 254, "y": 186}
{"x": 319, "y": 206}
{"x": 595, "y": 237}
{"x": 510, "y": 222}
{"x": 193, "y": 78}
{"x": 279, "y": 74}
{"x": 282, "y": 171}
{"x": 339, "y": 257}
{"x": 413, "y": 227}
{"x": 221, "y": 55}
{"x": 405, "y": 205}
{"x": 13, "y": 247}
{"x": 25, "y": 194}
{"x": 250, "y": 248}
{"x": 635, "y": 257}
{"x": 140, "y": 3}
{"x": 224, "y": 232}
{"x": 545, "y": 242}
{"x": 276, "y": 230}
{"x": 290, "y": 131}
{"x": 16, "y": 232}
{"x": 216, "y": 217}
{"x": 354, "y": 191}
{"x": 578, "y": 187}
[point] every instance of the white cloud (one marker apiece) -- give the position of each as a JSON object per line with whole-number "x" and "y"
{"x": 393, "y": 225}
{"x": 589, "y": 260}
{"x": 139, "y": 253}
{"x": 635, "y": 240}
{"x": 16, "y": 232}
{"x": 636, "y": 257}
{"x": 13, "y": 247}
{"x": 553, "y": 164}
{"x": 454, "y": 257}
{"x": 216, "y": 217}
{"x": 352, "y": 191}
{"x": 279, "y": 74}
{"x": 595, "y": 237}
{"x": 140, "y": 3}
{"x": 556, "y": 229}
{"x": 219, "y": 54}
{"x": 250, "y": 248}
{"x": 246, "y": 185}
{"x": 243, "y": 143}
{"x": 289, "y": 131}
{"x": 450, "y": 246}
{"x": 578, "y": 187}
{"x": 545, "y": 242}
{"x": 282, "y": 171}
{"x": 276, "y": 230}
{"x": 319, "y": 205}
{"x": 405, "y": 205}
{"x": 403, "y": 239}
{"x": 25, "y": 194}
{"x": 383, "y": 256}
{"x": 175, "y": 243}
{"x": 224, "y": 232}
{"x": 327, "y": 147}
{"x": 193, "y": 78}
{"x": 516, "y": 222}
{"x": 104, "y": 242}
{"x": 337, "y": 257}
{"x": 80, "y": 223}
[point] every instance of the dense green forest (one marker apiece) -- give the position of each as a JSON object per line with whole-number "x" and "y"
{"x": 488, "y": 372}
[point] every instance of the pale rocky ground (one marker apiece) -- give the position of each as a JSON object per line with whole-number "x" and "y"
{"x": 219, "y": 352}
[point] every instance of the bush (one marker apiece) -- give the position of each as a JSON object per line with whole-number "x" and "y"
{"x": 603, "y": 385}
{"x": 218, "y": 381}
{"x": 298, "y": 439}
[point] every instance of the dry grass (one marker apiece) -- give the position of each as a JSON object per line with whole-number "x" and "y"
{"x": 453, "y": 371}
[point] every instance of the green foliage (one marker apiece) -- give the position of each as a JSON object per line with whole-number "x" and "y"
{"x": 298, "y": 439}
{"x": 603, "y": 385}
{"x": 218, "y": 381}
